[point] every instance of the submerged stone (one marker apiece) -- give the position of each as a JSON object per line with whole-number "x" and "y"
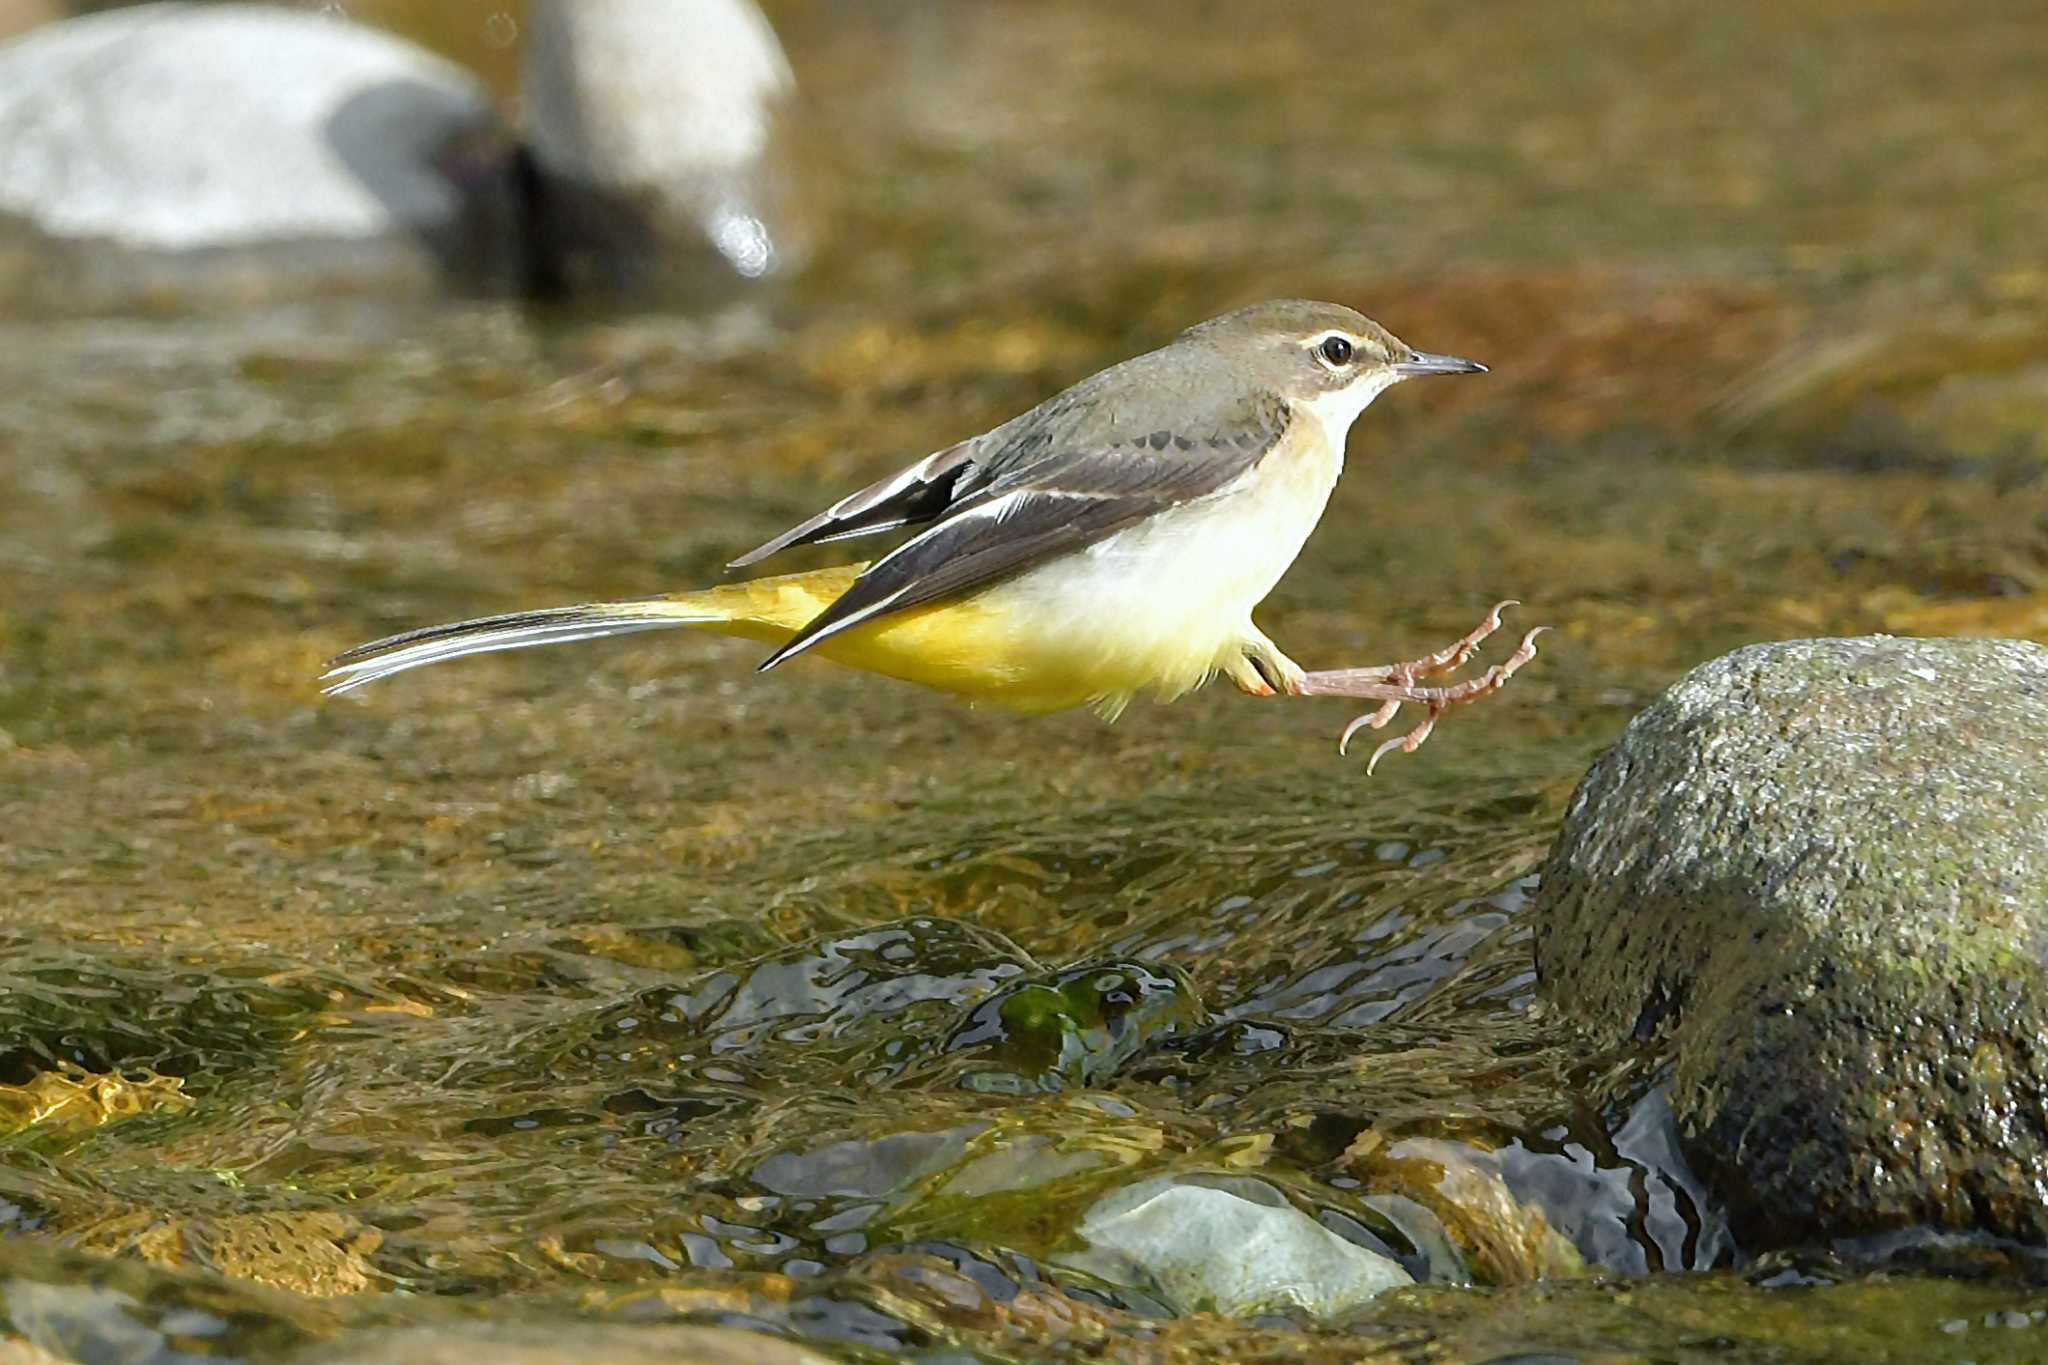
{"x": 1074, "y": 1028}
{"x": 1818, "y": 871}
{"x": 865, "y": 1004}
{"x": 862, "y": 1167}
{"x": 1229, "y": 1245}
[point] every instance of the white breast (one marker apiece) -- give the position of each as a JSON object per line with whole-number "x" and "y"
{"x": 1162, "y": 604}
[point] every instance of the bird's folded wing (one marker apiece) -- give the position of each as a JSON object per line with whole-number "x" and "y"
{"x": 1056, "y": 505}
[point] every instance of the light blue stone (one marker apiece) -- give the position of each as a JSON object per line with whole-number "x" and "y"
{"x": 1230, "y": 1245}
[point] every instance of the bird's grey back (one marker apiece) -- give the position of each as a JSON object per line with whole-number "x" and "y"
{"x": 1186, "y": 397}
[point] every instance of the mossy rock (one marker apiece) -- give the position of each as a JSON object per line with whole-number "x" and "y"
{"x": 1818, "y": 872}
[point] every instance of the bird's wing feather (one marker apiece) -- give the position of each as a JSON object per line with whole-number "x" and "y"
{"x": 1173, "y": 402}
{"x": 905, "y": 498}
{"x": 1037, "y": 510}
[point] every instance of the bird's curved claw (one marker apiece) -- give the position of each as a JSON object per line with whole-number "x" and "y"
{"x": 1395, "y": 685}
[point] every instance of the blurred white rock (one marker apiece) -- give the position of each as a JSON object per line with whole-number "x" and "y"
{"x": 675, "y": 109}
{"x": 234, "y": 130}
{"x": 174, "y": 127}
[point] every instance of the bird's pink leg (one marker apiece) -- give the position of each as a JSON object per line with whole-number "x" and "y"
{"x": 1393, "y": 684}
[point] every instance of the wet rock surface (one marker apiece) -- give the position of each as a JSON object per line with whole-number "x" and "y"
{"x": 1818, "y": 870}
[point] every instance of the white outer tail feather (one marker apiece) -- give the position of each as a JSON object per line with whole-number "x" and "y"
{"x": 489, "y": 635}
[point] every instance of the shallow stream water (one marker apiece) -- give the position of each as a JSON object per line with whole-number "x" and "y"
{"x": 620, "y": 985}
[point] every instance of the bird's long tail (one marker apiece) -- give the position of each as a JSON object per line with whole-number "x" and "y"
{"x": 767, "y": 609}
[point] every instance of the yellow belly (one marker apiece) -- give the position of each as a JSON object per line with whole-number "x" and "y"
{"x": 1158, "y": 607}
{"x": 960, "y": 647}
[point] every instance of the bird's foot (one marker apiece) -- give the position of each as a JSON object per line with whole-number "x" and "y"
{"x": 1393, "y": 684}
{"x": 1261, "y": 670}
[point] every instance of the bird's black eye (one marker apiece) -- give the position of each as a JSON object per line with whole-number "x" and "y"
{"x": 1336, "y": 350}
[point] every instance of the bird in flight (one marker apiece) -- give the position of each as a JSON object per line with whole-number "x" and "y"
{"x": 1112, "y": 540}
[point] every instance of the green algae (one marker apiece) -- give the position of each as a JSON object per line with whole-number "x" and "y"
{"x": 1074, "y": 1028}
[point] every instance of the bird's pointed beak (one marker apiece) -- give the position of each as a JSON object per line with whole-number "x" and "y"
{"x": 1425, "y": 363}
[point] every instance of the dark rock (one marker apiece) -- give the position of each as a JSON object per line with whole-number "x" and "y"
{"x": 1817, "y": 872}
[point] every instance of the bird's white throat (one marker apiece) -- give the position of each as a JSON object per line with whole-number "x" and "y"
{"x": 1339, "y": 409}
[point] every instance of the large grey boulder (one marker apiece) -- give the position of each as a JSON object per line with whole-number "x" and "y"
{"x": 1818, "y": 872}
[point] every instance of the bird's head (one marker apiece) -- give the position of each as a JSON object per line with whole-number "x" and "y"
{"x": 1328, "y": 358}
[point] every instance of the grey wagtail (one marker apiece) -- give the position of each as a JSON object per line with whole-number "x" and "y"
{"x": 1112, "y": 540}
